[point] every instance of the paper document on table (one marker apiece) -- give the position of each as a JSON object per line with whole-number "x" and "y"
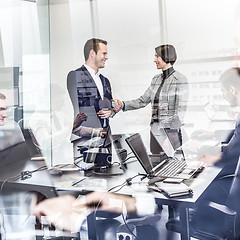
{"x": 174, "y": 189}
{"x": 82, "y": 184}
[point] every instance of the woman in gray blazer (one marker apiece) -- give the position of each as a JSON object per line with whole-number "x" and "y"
{"x": 168, "y": 94}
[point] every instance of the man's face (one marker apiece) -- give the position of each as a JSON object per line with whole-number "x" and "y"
{"x": 3, "y": 113}
{"x": 101, "y": 56}
{"x": 229, "y": 96}
{"x": 160, "y": 64}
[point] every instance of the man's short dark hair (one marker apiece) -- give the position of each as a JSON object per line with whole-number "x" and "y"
{"x": 167, "y": 52}
{"x": 231, "y": 77}
{"x": 92, "y": 44}
{"x": 2, "y": 96}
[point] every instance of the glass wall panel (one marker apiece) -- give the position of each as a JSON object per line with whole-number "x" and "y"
{"x": 71, "y": 26}
{"x": 36, "y": 73}
{"x": 24, "y": 70}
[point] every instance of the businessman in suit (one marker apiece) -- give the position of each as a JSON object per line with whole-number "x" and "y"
{"x": 10, "y": 133}
{"x": 91, "y": 96}
{"x": 88, "y": 87}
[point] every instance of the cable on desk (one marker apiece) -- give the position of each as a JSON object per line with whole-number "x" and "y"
{"x": 23, "y": 176}
{"x": 128, "y": 159}
{"x": 123, "y": 185}
{"x": 127, "y": 182}
{"x": 76, "y": 158}
{"x": 118, "y": 163}
{"x": 14, "y": 178}
{"x": 129, "y": 153}
{"x": 39, "y": 169}
{"x": 76, "y": 163}
{"x": 61, "y": 165}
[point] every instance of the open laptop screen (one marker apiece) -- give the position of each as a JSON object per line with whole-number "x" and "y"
{"x": 136, "y": 144}
{"x": 174, "y": 138}
{"x": 163, "y": 140}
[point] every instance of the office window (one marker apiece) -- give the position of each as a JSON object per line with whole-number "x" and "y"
{"x": 206, "y": 41}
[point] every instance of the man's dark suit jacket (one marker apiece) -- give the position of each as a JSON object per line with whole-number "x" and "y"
{"x": 231, "y": 152}
{"x": 81, "y": 78}
{"x": 205, "y": 218}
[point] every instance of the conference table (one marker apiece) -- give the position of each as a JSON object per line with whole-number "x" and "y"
{"x": 139, "y": 184}
{"x": 52, "y": 185}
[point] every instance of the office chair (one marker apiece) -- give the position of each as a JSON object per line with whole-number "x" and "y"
{"x": 29, "y": 138}
{"x": 108, "y": 225}
{"x": 101, "y": 224}
{"x": 139, "y": 228}
{"x": 227, "y": 215}
{"x": 33, "y": 145}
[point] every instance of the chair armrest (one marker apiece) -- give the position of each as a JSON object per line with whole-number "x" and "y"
{"x": 222, "y": 208}
{"x": 146, "y": 220}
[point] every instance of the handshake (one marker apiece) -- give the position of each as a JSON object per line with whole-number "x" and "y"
{"x": 117, "y": 105}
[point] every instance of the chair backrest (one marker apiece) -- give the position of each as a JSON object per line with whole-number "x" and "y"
{"x": 233, "y": 199}
{"x": 32, "y": 143}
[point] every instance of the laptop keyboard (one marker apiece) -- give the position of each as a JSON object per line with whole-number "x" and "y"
{"x": 171, "y": 169}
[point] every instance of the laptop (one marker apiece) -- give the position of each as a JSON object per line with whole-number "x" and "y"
{"x": 215, "y": 115}
{"x": 190, "y": 148}
{"x": 168, "y": 167}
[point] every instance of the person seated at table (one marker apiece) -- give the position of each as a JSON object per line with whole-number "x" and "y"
{"x": 219, "y": 189}
{"x": 8, "y": 128}
{"x": 3, "y": 108}
{"x": 230, "y": 86}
